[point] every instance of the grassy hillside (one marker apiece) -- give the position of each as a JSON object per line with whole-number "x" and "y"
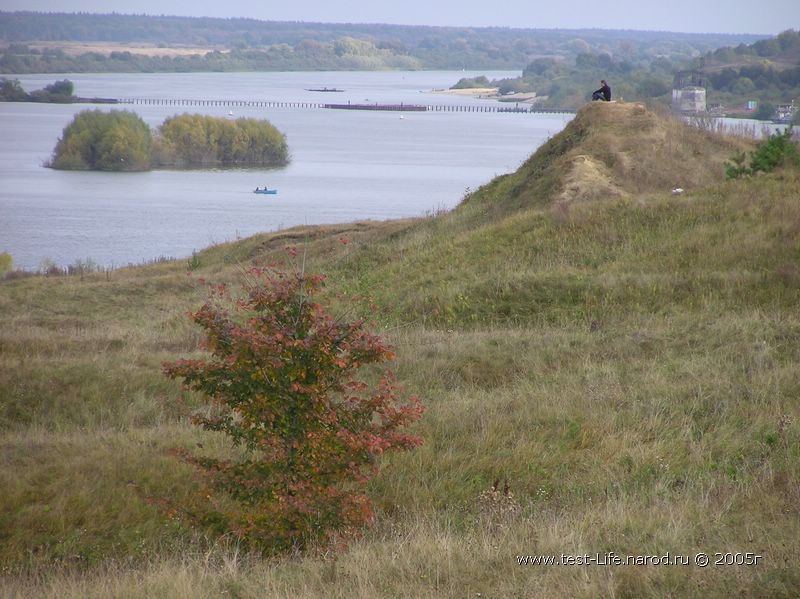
{"x": 624, "y": 358}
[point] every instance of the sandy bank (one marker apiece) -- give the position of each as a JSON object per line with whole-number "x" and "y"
{"x": 490, "y": 93}
{"x": 475, "y": 92}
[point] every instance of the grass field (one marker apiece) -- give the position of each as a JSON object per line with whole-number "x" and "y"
{"x": 106, "y": 48}
{"x": 624, "y": 359}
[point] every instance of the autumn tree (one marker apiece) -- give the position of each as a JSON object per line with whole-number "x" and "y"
{"x": 195, "y": 140}
{"x": 116, "y": 140}
{"x": 280, "y": 383}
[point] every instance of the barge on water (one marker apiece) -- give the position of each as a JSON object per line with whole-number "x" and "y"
{"x": 394, "y": 107}
{"x": 784, "y": 114}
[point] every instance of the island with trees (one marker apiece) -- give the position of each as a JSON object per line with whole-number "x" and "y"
{"x": 60, "y": 92}
{"x": 120, "y": 140}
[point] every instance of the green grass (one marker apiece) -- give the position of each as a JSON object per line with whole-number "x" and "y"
{"x": 627, "y": 365}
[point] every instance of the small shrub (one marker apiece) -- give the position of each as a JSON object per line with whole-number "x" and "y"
{"x": 736, "y": 168}
{"x": 50, "y": 269}
{"x": 6, "y": 263}
{"x": 280, "y": 383}
{"x": 13, "y": 275}
{"x": 194, "y": 262}
{"x": 82, "y": 267}
{"x": 778, "y": 150}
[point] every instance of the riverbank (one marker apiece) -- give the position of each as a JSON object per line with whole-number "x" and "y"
{"x": 419, "y": 164}
{"x": 491, "y": 93}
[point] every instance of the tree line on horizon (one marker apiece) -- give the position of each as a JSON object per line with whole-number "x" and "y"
{"x": 561, "y": 66}
{"x": 249, "y": 44}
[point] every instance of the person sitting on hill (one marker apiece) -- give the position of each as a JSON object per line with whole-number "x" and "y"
{"x": 604, "y": 93}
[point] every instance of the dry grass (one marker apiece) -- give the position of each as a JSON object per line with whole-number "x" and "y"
{"x": 644, "y": 151}
{"x": 627, "y": 366}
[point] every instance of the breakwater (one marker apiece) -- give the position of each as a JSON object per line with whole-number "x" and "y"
{"x": 401, "y": 107}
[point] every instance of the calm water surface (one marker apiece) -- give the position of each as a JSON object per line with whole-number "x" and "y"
{"x": 345, "y": 165}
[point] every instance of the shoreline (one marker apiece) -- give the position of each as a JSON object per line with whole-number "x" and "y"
{"x": 490, "y": 93}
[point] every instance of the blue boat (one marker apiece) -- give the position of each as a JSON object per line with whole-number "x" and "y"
{"x": 265, "y": 190}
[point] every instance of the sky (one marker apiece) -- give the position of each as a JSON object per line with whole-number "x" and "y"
{"x": 690, "y": 16}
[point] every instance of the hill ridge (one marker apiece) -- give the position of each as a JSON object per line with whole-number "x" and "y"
{"x": 614, "y": 150}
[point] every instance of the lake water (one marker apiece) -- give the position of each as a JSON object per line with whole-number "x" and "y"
{"x": 346, "y": 165}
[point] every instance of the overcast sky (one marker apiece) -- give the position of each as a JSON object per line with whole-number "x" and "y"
{"x": 718, "y": 16}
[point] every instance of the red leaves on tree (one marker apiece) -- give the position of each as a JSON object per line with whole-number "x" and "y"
{"x": 280, "y": 383}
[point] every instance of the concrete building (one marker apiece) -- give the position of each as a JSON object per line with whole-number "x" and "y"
{"x": 689, "y": 92}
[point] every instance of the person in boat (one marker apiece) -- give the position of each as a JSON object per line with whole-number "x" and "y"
{"x": 604, "y": 93}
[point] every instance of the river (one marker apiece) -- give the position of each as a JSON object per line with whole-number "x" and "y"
{"x": 346, "y": 165}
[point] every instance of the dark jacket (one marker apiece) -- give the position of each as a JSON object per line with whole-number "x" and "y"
{"x": 604, "y": 91}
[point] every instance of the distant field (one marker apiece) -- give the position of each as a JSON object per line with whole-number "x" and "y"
{"x": 106, "y": 48}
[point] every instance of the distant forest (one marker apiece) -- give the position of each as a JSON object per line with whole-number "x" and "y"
{"x": 30, "y": 45}
{"x": 561, "y": 67}
{"x": 767, "y": 71}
